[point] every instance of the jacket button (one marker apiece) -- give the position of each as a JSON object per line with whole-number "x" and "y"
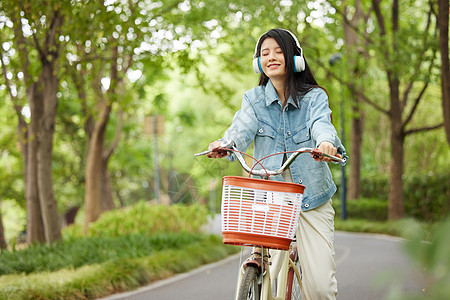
{"x": 300, "y": 181}
{"x": 260, "y": 130}
{"x": 306, "y": 205}
{"x": 289, "y": 133}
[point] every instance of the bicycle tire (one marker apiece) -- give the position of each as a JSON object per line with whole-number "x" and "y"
{"x": 249, "y": 287}
{"x": 294, "y": 286}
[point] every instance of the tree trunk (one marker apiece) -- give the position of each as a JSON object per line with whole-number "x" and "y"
{"x": 353, "y": 44}
{"x": 396, "y": 208}
{"x": 3, "y": 244}
{"x": 443, "y": 20}
{"x": 107, "y": 201}
{"x": 98, "y": 194}
{"x": 95, "y": 164}
{"x": 35, "y": 225}
{"x": 49, "y": 208}
{"x": 93, "y": 177}
{"x": 29, "y": 146}
{"x": 356, "y": 138}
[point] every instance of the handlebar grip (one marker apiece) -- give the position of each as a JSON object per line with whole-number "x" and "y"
{"x": 316, "y": 153}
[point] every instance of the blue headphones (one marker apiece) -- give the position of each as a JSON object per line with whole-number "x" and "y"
{"x": 299, "y": 61}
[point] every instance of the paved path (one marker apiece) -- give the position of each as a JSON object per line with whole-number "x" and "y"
{"x": 368, "y": 267}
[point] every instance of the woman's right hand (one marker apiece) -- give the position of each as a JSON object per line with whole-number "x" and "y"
{"x": 216, "y": 151}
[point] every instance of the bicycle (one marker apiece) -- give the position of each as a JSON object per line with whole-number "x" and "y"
{"x": 264, "y": 214}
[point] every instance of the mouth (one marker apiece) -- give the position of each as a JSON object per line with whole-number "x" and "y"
{"x": 273, "y": 66}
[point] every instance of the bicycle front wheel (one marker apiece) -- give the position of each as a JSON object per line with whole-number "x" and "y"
{"x": 249, "y": 287}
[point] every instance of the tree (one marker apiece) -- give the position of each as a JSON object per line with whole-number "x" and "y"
{"x": 354, "y": 45}
{"x": 393, "y": 48}
{"x": 36, "y": 28}
{"x": 442, "y": 22}
{"x": 3, "y": 244}
{"x": 403, "y": 48}
{"x": 115, "y": 38}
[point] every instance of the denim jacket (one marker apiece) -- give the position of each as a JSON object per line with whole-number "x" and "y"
{"x": 263, "y": 120}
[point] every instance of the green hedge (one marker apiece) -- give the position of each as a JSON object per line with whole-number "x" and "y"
{"x": 143, "y": 218}
{"x": 426, "y": 197}
{"x": 363, "y": 208}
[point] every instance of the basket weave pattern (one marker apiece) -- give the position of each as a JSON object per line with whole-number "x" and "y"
{"x": 255, "y": 216}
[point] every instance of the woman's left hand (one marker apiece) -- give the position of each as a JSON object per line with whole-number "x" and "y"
{"x": 327, "y": 148}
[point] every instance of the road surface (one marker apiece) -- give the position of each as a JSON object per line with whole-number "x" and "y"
{"x": 369, "y": 267}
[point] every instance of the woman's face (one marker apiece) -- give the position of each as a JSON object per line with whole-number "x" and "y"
{"x": 272, "y": 59}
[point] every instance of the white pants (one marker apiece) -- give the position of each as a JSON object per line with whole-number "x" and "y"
{"x": 315, "y": 237}
{"x": 315, "y": 244}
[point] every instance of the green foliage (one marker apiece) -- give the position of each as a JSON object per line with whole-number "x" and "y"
{"x": 370, "y": 209}
{"x": 433, "y": 258}
{"x": 91, "y": 250}
{"x": 426, "y": 197}
{"x": 154, "y": 242}
{"x": 198, "y": 91}
{"x": 134, "y": 231}
{"x": 14, "y": 219}
{"x": 143, "y": 218}
{"x": 117, "y": 275}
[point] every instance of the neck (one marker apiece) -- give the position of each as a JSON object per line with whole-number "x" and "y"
{"x": 278, "y": 84}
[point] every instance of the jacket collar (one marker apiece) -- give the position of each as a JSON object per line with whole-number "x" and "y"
{"x": 271, "y": 95}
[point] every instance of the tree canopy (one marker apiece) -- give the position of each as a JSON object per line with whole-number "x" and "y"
{"x": 80, "y": 77}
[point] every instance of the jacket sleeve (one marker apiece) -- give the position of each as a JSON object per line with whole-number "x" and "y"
{"x": 321, "y": 127}
{"x": 243, "y": 128}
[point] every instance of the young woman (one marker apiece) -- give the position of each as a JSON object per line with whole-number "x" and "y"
{"x": 286, "y": 111}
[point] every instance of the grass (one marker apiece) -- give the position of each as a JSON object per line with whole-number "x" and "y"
{"x": 122, "y": 250}
{"x": 112, "y": 276}
{"x": 405, "y": 228}
{"x": 90, "y": 250}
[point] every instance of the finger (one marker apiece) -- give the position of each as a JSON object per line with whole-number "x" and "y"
{"x": 213, "y": 145}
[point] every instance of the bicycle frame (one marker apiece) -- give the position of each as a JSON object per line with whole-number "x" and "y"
{"x": 277, "y": 270}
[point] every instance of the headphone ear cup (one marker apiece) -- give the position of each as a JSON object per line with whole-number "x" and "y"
{"x": 299, "y": 63}
{"x": 257, "y": 65}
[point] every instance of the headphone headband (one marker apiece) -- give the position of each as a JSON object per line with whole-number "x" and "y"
{"x": 292, "y": 35}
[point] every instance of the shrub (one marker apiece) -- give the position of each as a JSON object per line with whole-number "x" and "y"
{"x": 370, "y": 209}
{"x": 144, "y": 218}
{"x": 426, "y": 197}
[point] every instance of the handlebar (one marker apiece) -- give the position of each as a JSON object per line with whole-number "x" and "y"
{"x": 229, "y": 146}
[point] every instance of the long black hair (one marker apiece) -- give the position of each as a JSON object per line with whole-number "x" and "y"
{"x": 297, "y": 83}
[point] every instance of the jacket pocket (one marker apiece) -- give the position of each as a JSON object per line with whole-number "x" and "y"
{"x": 302, "y": 135}
{"x": 265, "y": 130}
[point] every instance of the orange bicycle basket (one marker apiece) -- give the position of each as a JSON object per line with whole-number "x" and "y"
{"x": 257, "y": 212}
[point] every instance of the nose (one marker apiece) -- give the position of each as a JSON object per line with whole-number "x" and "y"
{"x": 271, "y": 56}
